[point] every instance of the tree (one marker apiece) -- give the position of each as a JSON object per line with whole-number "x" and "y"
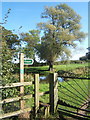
{"x": 60, "y": 32}
{"x": 8, "y": 41}
{"x": 7, "y": 47}
{"x": 7, "y": 52}
{"x": 88, "y": 54}
{"x": 11, "y": 39}
{"x": 30, "y": 40}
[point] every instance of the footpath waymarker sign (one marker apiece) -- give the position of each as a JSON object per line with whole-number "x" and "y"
{"x": 22, "y": 102}
{"x": 28, "y": 61}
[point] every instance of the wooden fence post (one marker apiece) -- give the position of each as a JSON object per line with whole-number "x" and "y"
{"x": 22, "y": 116}
{"x": 53, "y": 88}
{"x": 22, "y": 79}
{"x": 36, "y": 97}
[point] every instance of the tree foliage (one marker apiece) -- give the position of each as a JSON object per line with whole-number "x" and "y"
{"x": 7, "y": 52}
{"x": 60, "y": 32}
{"x": 30, "y": 39}
{"x": 7, "y": 47}
{"x": 11, "y": 39}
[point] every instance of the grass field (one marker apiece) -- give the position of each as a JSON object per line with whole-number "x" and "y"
{"x": 45, "y": 86}
{"x": 44, "y": 69}
{"x": 63, "y": 92}
{"x": 76, "y": 99}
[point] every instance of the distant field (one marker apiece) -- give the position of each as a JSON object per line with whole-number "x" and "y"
{"x": 69, "y": 66}
{"x": 44, "y": 69}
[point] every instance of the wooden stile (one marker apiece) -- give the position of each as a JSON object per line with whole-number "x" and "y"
{"x": 12, "y": 85}
{"x": 24, "y": 113}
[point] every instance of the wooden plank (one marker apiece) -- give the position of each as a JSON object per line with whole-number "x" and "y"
{"x": 43, "y": 93}
{"x": 47, "y": 111}
{"x": 53, "y": 84}
{"x": 84, "y": 106}
{"x": 16, "y": 85}
{"x": 36, "y": 97}
{"x": 78, "y": 114}
{"x": 75, "y": 117}
{"x": 46, "y": 108}
{"x": 27, "y": 96}
{"x": 2, "y": 116}
{"x": 15, "y": 99}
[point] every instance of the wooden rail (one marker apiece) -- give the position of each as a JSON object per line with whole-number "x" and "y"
{"x": 10, "y": 85}
{"x": 15, "y": 99}
{"x": 53, "y": 93}
{"x": 84, "y": 106}
{"x": 74, "y": 115}
{"x": 2, "y": 116}
{"x": 21, "y": 98}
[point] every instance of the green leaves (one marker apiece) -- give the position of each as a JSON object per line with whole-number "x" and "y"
{"x": 31, "y": 39}
{"x": 6, "y": 55}
{"x": 61, "y": 31}
{"x": 10, "y": 38}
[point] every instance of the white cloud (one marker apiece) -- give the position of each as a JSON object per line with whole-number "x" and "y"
{"x": 76, "y": 54}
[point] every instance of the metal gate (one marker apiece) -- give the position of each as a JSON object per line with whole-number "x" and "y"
{"x": 74, "y": 98}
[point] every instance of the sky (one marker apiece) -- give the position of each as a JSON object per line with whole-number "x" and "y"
{"x": 28, "y": 14}
{"x": 44, "y": 0}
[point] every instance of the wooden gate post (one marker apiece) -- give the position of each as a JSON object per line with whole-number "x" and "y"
{"x": 53, "y": 88}
{"x": 36, "y": 93}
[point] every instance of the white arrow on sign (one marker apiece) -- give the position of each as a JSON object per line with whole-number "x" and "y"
{"x": 28, "y": 61}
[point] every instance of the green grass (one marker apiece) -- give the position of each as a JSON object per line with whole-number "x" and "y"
{"x": 68, "y": 67}
{"x": 61, "y": 90}
{"x": 45, "y": 87}
{"x": 78, "y": 92}
{"x": 76, "y": 98}
{"x": 44, "y": 69}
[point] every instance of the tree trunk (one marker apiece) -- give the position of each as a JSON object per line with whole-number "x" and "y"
{"x": 50, "y": 65}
